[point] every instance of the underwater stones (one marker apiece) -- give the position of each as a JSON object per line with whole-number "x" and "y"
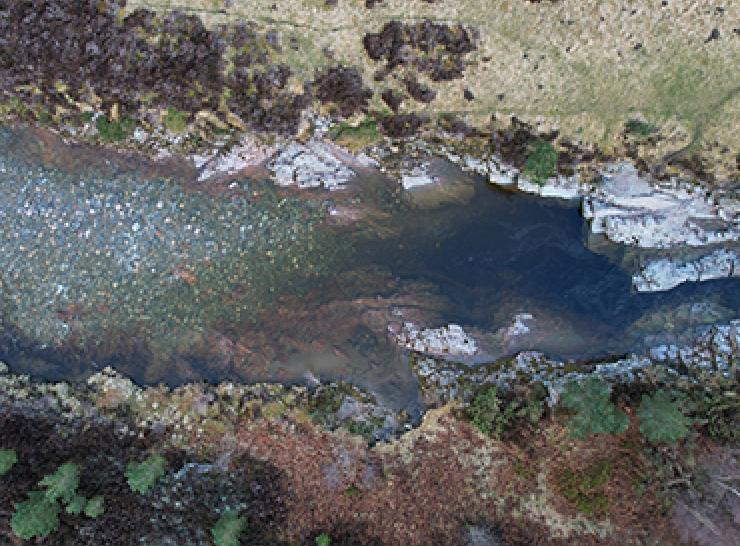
{"x": 450, "y": 340}
{"x": 632, "y": 210}
{"x": 312, "y": 165}
{"x": 667, "y": 273}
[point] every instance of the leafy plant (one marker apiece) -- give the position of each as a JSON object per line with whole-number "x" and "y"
{"x": 584, "y": 488}
{"x": 542, "y": 162}
{"x": 595, "y": 414}
{"x": 36, "y": 517}
{"x": 661, "y": 420}
{"x": 95, "y": 506}
{"x": 76, "y": 505}
{"x": 323, "y": 540}
{"x": 8, "y": 458}
{"x": 228, "y": 528}
{"x": 63, "y": 483}
{"x": 142, "y": 476}
{"x": 488, "y": 413}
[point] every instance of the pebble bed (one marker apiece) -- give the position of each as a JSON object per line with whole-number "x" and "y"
{"x": 86, "y": 255}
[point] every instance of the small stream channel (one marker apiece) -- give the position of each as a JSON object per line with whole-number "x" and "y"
{"x": 303, "y": 296}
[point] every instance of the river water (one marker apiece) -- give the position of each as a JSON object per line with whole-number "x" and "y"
{"x": 106, "y": 262}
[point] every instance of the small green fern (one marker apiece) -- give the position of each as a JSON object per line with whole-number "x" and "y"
{"x": 63, "y": 483}
{"x": 95, "y": 506}
{"x": 228, "y": 528}
{"x": 323, "y": 540}
{"x": 661, "y": 421}
{"x": 8, "y": 458}
{"x": 36, "y": 517}
{"x": 595, "y": 414}
{"x": 142, "y": 476}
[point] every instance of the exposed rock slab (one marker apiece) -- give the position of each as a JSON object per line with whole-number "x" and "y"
{"x": 311, "y": 165}
{"x": 632, "y": 210}
{"x": 450, "y": 340}
{"x": 667, "y": 273}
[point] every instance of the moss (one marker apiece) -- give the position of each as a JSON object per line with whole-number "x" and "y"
{"x": 585, "y": 488}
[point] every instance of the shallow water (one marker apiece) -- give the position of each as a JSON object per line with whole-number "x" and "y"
{"x": 254, "y": 284}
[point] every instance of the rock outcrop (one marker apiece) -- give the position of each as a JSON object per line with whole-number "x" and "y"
{"x": 311, "y": 165}
{"x": 667, "y": 273}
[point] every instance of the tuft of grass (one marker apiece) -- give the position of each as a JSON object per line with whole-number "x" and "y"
{"x": 542, "y": 162}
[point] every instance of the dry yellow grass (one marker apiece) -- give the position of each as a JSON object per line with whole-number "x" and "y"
{"x": 573, "y": 64}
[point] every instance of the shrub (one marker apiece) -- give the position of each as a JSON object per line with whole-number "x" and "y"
{"x": 594, "y": 412}
{"x": 141, "y": 477}
{"x": 661, "y": 420}
{"x": 542, "y": 162}
{"x": 8, "y": 458}
{"x": 323, "y": 540}
{"x": 63, "y": 483}
{"x": 36, "y": 517}
{"x": 719, "y": 412}
{"x": 228, "y": 528}
{"x": 488, "y": 414}
{"x": 640, "y": 128}
{"x": 114, "y": 130}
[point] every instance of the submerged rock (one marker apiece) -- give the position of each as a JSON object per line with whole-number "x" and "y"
{"x": 667, "y": 273}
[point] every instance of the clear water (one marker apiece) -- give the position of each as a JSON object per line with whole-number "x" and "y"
{"x": 272, "y": 301}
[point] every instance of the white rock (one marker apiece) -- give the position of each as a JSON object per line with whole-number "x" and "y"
{"x": 631, "y": 210}
{"x": 248, "y": 153}
{"x": 667, "y": 273}
{"x": 519, "y": 326}
{"x": 417, "y": 177}
{"x": 449, "y": 340}
{"x": 311, "y": 165}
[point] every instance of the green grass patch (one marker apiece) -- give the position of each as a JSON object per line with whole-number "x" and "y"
{"x": 356, "y": 137}
{"x": 175, "y": 121}
{"x": 115, "y": 131}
